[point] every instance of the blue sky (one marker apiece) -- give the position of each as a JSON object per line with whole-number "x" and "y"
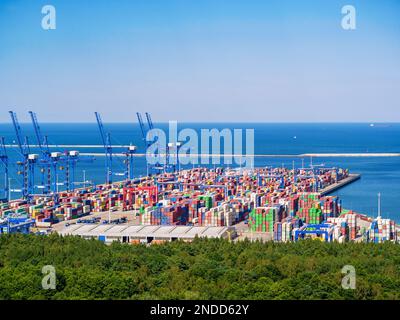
{"x": 203, "y": 60}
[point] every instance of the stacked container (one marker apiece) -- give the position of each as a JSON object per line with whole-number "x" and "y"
{"x": 314, "y": 216}
{"x": 283, "y": 231}
{"x": 261, "y": 219}
{"x": 382, "y": 230}
{"x": 223, "y": 215}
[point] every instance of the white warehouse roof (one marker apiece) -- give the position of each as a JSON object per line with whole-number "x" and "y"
{"x": 139, "y": 231}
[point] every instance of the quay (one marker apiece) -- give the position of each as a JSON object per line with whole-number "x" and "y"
{"x": 340, "y": 184}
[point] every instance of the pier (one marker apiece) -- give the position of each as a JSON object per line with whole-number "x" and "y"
{"x": 340, "y": 184}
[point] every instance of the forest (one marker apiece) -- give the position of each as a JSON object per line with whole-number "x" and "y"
{"x": 203, "y": 269}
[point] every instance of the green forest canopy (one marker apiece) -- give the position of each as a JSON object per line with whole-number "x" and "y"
{"x": 203, "y": 269}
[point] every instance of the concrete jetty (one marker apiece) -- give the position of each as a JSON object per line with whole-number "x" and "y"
{"x": 340, "y": 184}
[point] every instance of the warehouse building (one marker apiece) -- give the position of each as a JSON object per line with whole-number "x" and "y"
{"x": 145, "y": 234}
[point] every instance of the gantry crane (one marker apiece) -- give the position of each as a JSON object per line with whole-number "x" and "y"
{"x": 50, "y": 161}
{"x": 324, "y": 229}
{"x": 168, "y": 167}
{"x": 4, "y": 164}
{"x": 105, "y": 137}
{"x": 129, "y": 153}
{"x": 67, "y": 160}
{"x": 72, "y": 159}
{"x": 149, "y": 121}
{"x": 27, "y": 162}
{"x": 146, "y": 143}
{"x": 129, "y": 161}
{"x": 156, "y": 168}
{"x": 142, "y": 129}
{"x": 46, "y": 155}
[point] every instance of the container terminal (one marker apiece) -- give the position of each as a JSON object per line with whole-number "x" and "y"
{"x": 278, "y": 204}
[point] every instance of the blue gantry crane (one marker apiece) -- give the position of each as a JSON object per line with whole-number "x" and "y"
{"x": 72, "y": 159}
{"x": 105, "y": 137}
{"x": 16, "y": 225}
{"x": 49, "y": 161}
{"x": 158, "y": 168}
{"x": 146, "y": 143}
{"x": 168, "y": 167}
{"x": 27, "y": 161}
{"x": 46, "y": 155}
{"x": 129, "y": 153}
{"x": 4, "y": 165}
{"x": 142, "y": 129}
{"x": 66, "y": 160}
{"x": 129, "y": 161}
{"x": 149, "y": 121}
{"x": 324, "y": 229}
{"x": 151, "y": 168}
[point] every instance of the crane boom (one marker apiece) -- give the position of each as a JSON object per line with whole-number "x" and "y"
{"x": 149, "y": 121}
{"x": 142, "y": 128}
{"x": 27, "y": 163}
{"x": 105, "y": 137}
{"x": 18, "y": 132}
{"x": 155, "y": 167}
{"x": 102, "y": 131}
{"x": 42, "y": 141}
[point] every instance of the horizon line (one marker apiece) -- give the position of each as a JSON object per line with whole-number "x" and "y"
{"x": 217, "y": 122}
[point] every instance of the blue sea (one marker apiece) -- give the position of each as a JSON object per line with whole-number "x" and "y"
{"x": 379, "y": 174}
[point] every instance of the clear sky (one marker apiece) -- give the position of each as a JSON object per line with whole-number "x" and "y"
{"x": 203, "y": 60}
